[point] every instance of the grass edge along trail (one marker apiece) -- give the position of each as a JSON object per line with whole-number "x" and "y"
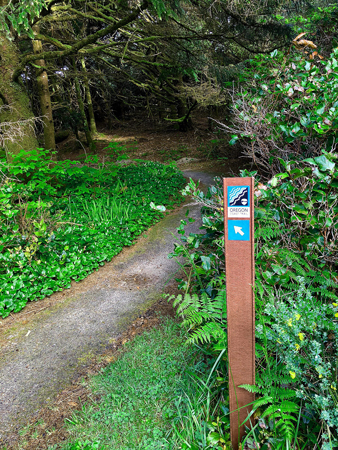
{"x": 154, "y": 396}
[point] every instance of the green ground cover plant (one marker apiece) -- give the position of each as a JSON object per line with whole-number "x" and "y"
{"x": 59, "y": 221}
{"x": 158, "y": 394}
{"x": 284, "y": 105}
{"x": 296, "y": 300}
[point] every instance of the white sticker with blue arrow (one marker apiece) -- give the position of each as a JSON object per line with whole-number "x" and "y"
{"x": 238, "y": 230}
{"x": 239, "y": 202}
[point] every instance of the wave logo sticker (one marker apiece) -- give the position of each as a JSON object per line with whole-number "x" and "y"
{"x": 239, "y": 201}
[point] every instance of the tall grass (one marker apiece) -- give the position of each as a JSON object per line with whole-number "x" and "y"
{"x": 201, "y": 419}
{"x": 106, "y": 209}
{"x": 156, "y": 396}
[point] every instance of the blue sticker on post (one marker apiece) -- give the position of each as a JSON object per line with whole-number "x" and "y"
{"x": 239, "y": 202}
{"x": 238, "y": 230}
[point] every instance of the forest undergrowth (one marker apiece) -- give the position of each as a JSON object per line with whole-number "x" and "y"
{"x": 284, "y": 116}
{"x": 296, "y": 304}
{"x": 59, "y": 221}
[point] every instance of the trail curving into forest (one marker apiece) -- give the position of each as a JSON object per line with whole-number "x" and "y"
{"x": 41, "y": 355}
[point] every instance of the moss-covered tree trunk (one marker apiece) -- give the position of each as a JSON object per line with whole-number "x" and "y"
{"x": 107, "y": 105}
{"x": 89, "y": 138}
{"x": 92, "y": 123}
{"x": 182, "y": 110}
{"x": 13, "y": 96}
{"x": 44, "y": 96}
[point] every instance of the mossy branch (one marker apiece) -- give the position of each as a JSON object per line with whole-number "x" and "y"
{"x": 75, "y": 48}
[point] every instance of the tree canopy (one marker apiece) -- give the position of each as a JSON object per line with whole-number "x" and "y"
{"x": 172, "y": 53}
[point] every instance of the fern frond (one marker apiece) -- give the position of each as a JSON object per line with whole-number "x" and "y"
{"x": 251, "y": 388}
{"x": 289, "y": 407}
{"x": 262, "y": 401}
{"x": 204, "y": 316}
{"x": 209, "y": 332}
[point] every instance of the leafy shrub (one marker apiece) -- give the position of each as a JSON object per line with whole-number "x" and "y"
{"x": 287, "y": 107}
{"x": 39, "y": 173}
{"x": 296, "y": 278}
{"x": 305, "y": 332}
{"x": 203, "y": 252}
{"x": 296, "y": 230}
{"x": 319, "y": 22}
{"x": 297, "y": 346}
{"x": 53, "y": 230}
{"x": 42, "y": 176}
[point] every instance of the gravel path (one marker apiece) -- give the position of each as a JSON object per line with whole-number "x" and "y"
{"x": 41, "y": 356}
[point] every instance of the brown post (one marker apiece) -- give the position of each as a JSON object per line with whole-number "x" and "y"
{"x": 240, "y": 275}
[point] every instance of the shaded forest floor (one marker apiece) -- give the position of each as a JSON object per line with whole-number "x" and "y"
{"x": 148, "y": 140}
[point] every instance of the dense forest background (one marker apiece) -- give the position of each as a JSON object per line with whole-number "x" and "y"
{"x": 72, "y": 65}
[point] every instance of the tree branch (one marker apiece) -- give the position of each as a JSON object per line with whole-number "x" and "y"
{"x": 91, "y": 39}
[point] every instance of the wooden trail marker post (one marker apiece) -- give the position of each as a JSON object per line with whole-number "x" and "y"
{"x": 240, "y": 273}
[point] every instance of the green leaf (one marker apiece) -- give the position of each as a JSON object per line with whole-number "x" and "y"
{"x": 206, "y": 262}
{"x": 294, "y": 106}
{"x": 233, "y": 140}
{"x": 323, "y": 163}
{"x": 320, "y": 110}
{"x": 300, "y": 209}
{"x": 274, "y": 181}
{"x": 319, "y": 130}
{"x": 328, "y": 222}
{"x": 282, "y": 175}
{"x": 213, "y": 438}
{"x": 310, "y": 161}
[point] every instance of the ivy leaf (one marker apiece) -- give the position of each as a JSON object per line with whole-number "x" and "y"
{"x": 206, "y": 262}
{"x": 300, "y": 209}
{"x": 324, "y": 163}
{"x": 233, "y": 140}
{"x": 321, "y": 110}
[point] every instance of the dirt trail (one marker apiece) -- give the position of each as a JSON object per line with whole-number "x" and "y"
{"x": 42, "y": 352}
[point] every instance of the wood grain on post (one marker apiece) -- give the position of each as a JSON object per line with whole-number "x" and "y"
{"x": 240, "y": 275}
